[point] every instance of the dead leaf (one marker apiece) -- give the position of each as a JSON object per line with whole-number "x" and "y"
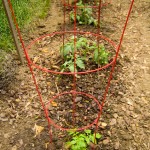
{"x": 51, "y": 92}
{"x": 38, "y": 130}
{"x": 48, "y": 83}
{"x": 56, "y": 67}
{"x": 35, "y": 59}
{"x": 54, "y": 104}
{"x": 113, "y": 122}
{"x": 45, "y": 50}
{"x": 26, "y": 106}
{"x": 46, "y": 145}
{"x": 18, "y": 100}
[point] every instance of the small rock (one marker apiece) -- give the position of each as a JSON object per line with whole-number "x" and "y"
{"x": 115, "y": 115}
{"x": 3, "y": 92}
{"x": 109, "y": 133}
{"x": 120, "y": 93}
{"x": 117, "y": 145}
{"x": 80, "y": 105}
{"x": 11, "y": 141}
{"x": 6, "y": 136}
{"x": 4, "y": 119}
{"x": 131, "y": 108}
{"x": 113, "y": 122}
{"x": 106, "y": 141}
{"x": 11, "y": 121}
{"x": 134, "y": 115}
{"x": 129, "y": 102}
{"x": 127, "y": 137}
{"x": 32, "y": 144}
{"x": 2, "y": 115}
{"x": 21, "y": 142}
{"x": 78, "y": 99}
{"x": 123, "y": 108}
{"x": 103, "y": 125}
{"x": 14, "y": 148}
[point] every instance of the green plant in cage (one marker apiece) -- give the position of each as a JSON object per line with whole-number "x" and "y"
{"x": 81, "y": 140}
{"x": 86, "y": 50}
{"x": 84, "y": 15}
{"x": 67, "y": 52}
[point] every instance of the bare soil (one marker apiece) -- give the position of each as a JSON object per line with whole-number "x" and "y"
{"x": 125, "y": 121}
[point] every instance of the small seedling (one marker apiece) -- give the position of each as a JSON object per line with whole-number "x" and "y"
{"x": 80, "y": 141}
{"x": 84, "y": 15}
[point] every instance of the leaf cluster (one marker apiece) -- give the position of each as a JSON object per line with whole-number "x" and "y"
{"x": 80, "y": 141}
{"x": 101, "y": 55}
{"x": 67, "y": 52}
{"x": 84, "y": 15}
{"x": 85, "y": 50}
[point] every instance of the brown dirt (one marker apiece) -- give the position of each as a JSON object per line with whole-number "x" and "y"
{"x": 126, "y": 112}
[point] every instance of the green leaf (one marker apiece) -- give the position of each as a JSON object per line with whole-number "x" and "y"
{"x": 71, "y": 67}
{"x": 78, "y": 44}
{"x": 66, "y": 49}
{"x": 92, "y": 138}
{"x": 90, "y": 21}
{"x": 73, "y": 142}
{"x": 82, "y": 136}
{"x": 72, "y": 16}
{"x": 80, "y": 22}
{"x": 75, "y": 147}
{"x": 87, "y": 139}
{"x": 80, "y": 63}
{"x": 98, "y": 136}
{"x": 95, "y": 23}
{"x": 87, "y": 131}
{"x": 82, "y": 144}
{"x": 62, "y": 70}
{"x": 78, "y": 18}
{"x": 66, "y": 63}
{"x": 72, "y": 131}
{"x": 96, "y": 55}
{"x": 67, "y": 145}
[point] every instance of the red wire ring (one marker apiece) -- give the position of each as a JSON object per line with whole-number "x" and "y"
{"x": 70, "y": 73}
{"x": 79, "y": 129}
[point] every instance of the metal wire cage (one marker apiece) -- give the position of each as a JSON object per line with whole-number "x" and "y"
{"x": 73, "y": 92}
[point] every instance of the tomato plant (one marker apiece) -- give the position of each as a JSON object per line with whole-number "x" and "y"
{"x": 85, "y": 51}
{"x": 84, "y": 15}
{"x": 80, "y": 141}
